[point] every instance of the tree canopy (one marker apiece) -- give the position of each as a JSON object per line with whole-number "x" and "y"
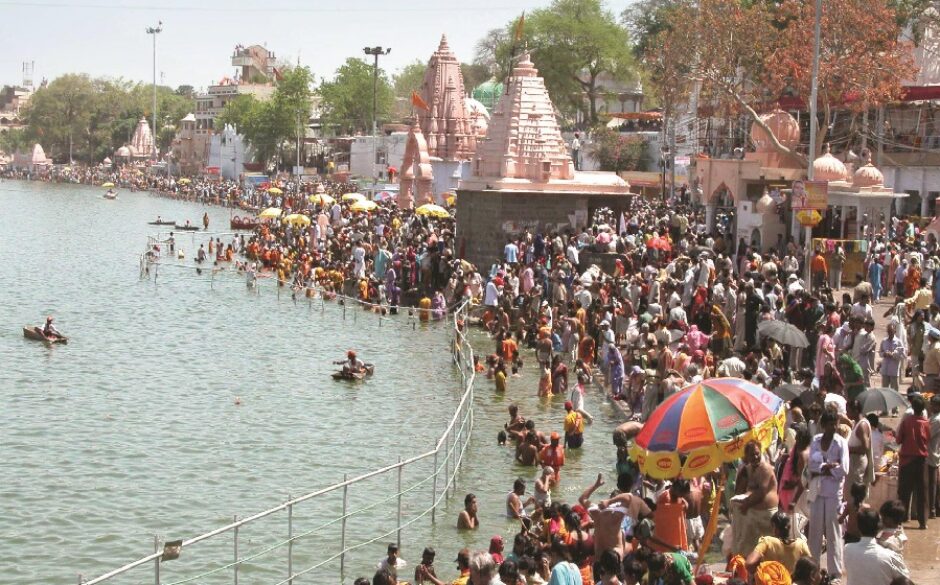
{"x": 347, "y": 98}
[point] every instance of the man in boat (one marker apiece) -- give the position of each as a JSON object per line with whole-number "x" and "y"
{"x": 352, "y": 364}
{"x": 50, "y": 331}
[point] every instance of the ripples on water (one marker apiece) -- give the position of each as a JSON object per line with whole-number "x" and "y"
{"x": 131, "y": 430}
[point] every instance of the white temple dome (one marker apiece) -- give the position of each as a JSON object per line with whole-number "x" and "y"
{"x": 828, "y": 168}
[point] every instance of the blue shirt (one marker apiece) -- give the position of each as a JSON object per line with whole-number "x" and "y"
{"x": 565, "y": 573}
{"x": 874, "y": 274}
{"x": 511, "y": 252}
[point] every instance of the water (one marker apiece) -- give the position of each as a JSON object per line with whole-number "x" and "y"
{"x": 132, "y": 429}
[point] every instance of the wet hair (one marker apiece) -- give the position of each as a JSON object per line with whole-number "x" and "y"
{"x": 519, "y": 484}
{"x": 467, "y": 499}
{"x": 804, "y": 569}
{"x": 868, "y": 523}
{"x": 501, "y": 438}
{"x": 383, "y": 577}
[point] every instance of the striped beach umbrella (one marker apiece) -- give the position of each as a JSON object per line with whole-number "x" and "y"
{"x": 706, "y": 424}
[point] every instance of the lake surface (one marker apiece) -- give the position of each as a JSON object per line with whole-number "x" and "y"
{"x": 132, "y": 429}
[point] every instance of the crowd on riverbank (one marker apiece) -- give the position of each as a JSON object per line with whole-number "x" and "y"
{"x": 683, "y": 306}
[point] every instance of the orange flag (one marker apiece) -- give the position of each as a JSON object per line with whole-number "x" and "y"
{"x": 418, "y": 102}
{"x": 520, "y": 25}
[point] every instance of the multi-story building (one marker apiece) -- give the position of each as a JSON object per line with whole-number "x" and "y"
{"x": 257, "y": 70}
{"x": 13, "y": 98}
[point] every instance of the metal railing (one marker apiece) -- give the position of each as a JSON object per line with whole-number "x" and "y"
{"x": 413, "y": 499}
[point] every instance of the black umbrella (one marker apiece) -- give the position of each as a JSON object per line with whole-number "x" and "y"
{"x": 791, "y": 391}
{"x": 782, "y": 332}
{"x": 881, "y": 400}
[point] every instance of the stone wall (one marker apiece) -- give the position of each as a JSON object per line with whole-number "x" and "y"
{"x": 486, "y": 218}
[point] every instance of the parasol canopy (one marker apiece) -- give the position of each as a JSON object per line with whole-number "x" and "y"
{"x": 704, "y": 425}
{"x": 108, "y": 184}
{"x": 298, "y": 219}
{"x": 783, "y": 332}
{"x": 432, "y": 210}
{"x": 354, "y": 197}
{"x": 363, "y": 206}
{"x": 793, "y": 391}
{"x": 184, "y": 181}
{"x": 275, "y": 191}
{"x": 881, "y": 400}
{"x": 270, "y": 213}
{"x": 322, "y": 199}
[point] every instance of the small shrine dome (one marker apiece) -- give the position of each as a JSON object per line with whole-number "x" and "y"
{"x": 487, "y": 93}
{"x": 828, "y": 167}
{"x": 123, "y": 152}
{"x": 782, "y": 124}
{"x": 868, "y": 175}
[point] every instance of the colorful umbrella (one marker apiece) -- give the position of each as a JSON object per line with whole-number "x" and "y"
{"x": 275, "y": 190}
{"x": 322, "y": 199}
{"x": 298, "y": 219}
{"x": 108, "y": 184}
{"x": 270, "y": 213}
{"x": 184, "y": 181}
{"x": 353, "y": 197}
{"x": 704, "y": 425}
{"x": 363, "y": 206}
{"x": 432, "y": 210}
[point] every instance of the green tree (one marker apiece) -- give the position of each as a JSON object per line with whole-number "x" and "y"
{"x": 474, "y": 74}
{"x": 574, "y": 44}
{"x": 410, "y": 78}
{"x": 618, "y": 152}
{"x": 59, "y": 114}
{"x": 14, "y": 140}
{"x": 241, "y": 112}
{"x": 347, "y": 99}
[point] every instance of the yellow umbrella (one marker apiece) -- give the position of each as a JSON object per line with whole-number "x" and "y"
{"x": 275, "y": 190}
{"x": 364, "y": 206}
{"x": 184, "y": 181}
{"x": 432, "y": 210}
{"x": 322, "y": 199}
{"x": 451, "y": 200}
{"x": 108, "y": 184}
{"x": 270, "y": 213}
{"x": 298, "y": 219}
{"x": 353, "y": 197}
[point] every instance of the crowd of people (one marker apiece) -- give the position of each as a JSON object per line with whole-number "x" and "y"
{"x": 666, "y": 302}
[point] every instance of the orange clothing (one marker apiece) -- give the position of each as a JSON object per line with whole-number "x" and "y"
{"x": 586, "y": 350}
{"x": 553, "y": 457}
{"x": 509, "y": 348}
{"x": 818, "y": 264}
{"x": 669, "y": 520}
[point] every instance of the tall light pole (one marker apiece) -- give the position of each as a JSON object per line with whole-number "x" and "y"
{"x": 155, "y": 31}
{"x": 375, "y": 52}
{"x": 813, "y": 125}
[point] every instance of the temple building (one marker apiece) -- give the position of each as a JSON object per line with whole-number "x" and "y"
{"x": 189, "y": 150}
{"x": 140, "y": 147}
{"x": 443, "y": 137}
{"x": 523, "y": 177}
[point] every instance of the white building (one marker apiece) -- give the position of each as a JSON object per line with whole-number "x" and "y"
{"x": 228, "y": 152}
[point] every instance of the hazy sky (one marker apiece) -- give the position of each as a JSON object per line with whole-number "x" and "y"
{"x": 108, "y": 38}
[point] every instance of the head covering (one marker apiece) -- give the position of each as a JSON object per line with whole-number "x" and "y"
{"x": 556, "y": 436}
{"x": 350, "y": 354}
{"x": 568, "y": 405}
{"x": 772, "y": 573}
{"x": 496, "y": 543}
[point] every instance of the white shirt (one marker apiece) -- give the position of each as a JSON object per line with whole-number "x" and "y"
{"x": 869, "y": 563}
{"x": 491, "y": 295}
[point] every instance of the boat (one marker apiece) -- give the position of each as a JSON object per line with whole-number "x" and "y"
{"x": 243, "y": 223}
{"x": 343, "y": 375}
{"x": 187, "y": 228}
{"x": 110, "y": 194}
{"x": 36, "y": 334}
{"x": 162, "y": 222}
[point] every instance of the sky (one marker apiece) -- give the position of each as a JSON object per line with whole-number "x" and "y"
{"x": 108, "y": 37}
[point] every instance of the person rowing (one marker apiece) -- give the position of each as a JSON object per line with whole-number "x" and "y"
{"x": 352, "y": 364}
{"x": 50, "y": 331}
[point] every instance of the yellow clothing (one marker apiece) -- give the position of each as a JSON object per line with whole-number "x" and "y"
{"x": 500, "y": 378}
{"x": 771, "y": 548}
{"x": 574, "y": 423}
{"x": 922, "y": 299}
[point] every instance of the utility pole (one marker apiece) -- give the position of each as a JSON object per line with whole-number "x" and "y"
{"x": 155, "y": 31}
{"x": 813, "y": 124}
{"x": 375, "y": 52}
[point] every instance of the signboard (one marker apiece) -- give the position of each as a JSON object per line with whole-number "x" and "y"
{"x": 810, "y": 195}
{"x": 683, "y": 161}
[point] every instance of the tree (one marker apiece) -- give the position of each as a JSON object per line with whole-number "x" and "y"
{"x": 410, "y": 78}
{"x": 862, "y": 63}
{"x": 14, "y": 140}
{"x": 617, "y": 152}
{"x": 474, "y": 74}
{"x": 240, "y": 112}
{"x": 347, "y": 99}
{"x": 574, "y": 44}
{"x": 59, "y": 114}
{"x": 646, "y": 19}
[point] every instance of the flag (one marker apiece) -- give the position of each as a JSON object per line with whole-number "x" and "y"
{"x": 418, "y": 102}
{"x": 520, "y": 25}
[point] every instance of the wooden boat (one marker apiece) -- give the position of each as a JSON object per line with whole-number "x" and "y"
{"x": 243, "y": 223}
{"x": 110, "y": 195}
{"x": 161, "y": 222}
{"x": 187, "y": 228}
{"x": 36, "y": 334}
{"x": 342, "y": 375}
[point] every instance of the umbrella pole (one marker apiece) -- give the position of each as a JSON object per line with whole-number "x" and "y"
{"x": 712, "y": 525}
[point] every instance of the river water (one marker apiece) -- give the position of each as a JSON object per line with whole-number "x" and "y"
{"x": 132, "y": 429}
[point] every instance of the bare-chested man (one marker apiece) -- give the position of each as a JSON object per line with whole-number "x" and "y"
{"x": 527, "y": 452}
{"x": 516, "y": 422}
{"x": 751, "y": 517}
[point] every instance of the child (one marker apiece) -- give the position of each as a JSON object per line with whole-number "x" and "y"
{"x": 892, "y": 534}
{"x": 545, "y": 381}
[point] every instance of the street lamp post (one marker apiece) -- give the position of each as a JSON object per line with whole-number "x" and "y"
{"x": 155, "y": 31}
{"x": 813, "y": 128}
{"x": 375, "y": 52}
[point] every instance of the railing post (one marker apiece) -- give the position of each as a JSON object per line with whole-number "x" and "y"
{"x": 235, "y": 566}
{"x": 447, "y": 460}
{"x": 156, "y": 561}
{"x": 456, "y": 456}
{"x": 434, "y": 489}
{"x": 342, "y": 538}
{"x": 290, "y": 541}
{"x": 398, "y": 539}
